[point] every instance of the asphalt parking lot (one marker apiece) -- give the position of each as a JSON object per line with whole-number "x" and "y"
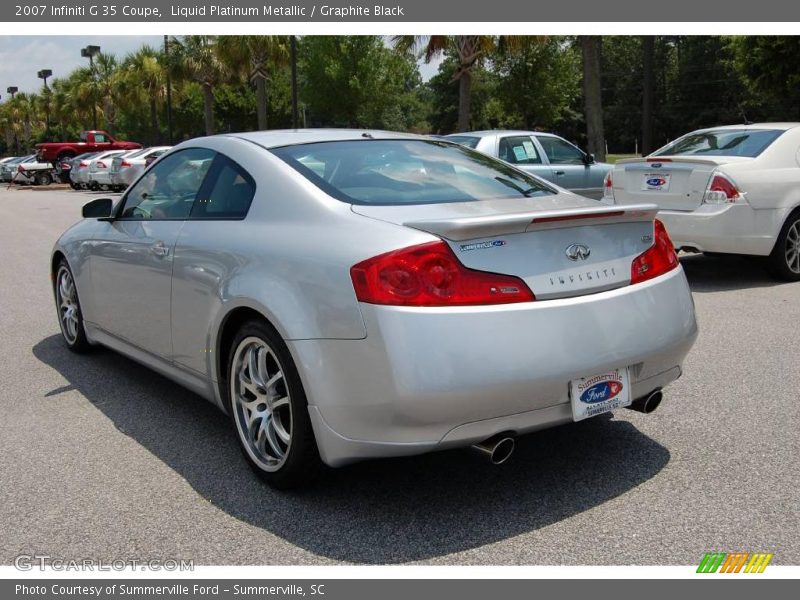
{"x": 101, "y": 458}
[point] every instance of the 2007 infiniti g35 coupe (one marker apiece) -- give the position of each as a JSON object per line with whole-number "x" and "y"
{"x": 344, "y": 295}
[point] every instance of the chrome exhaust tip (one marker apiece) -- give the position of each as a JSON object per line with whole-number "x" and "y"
{"x": 647, "y": 404}
{"x": 498, "y": 449}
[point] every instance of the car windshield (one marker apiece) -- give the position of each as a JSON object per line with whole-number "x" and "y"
{"x": 394, "y": 172}
{"x": 722, "y": 142}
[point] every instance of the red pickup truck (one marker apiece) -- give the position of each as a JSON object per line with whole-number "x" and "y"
{"x": 90, "y": 141}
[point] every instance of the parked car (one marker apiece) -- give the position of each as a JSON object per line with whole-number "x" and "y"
{"x": 727, "y": 190}
{"x": 78, "y": 169}
{"x": 89, "y": 141}
{"x": 125, "y": 170}
{"x": 32, "y": 171}
{"x": 81, "y": 175}
{"x": 9, "y": 168}
{"x": 542, "y": 154}
{"x": 347, "y": 295}
{"x": 100, "y": 169}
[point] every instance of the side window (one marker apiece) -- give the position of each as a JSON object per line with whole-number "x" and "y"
{"x": 168, "y": 190}
{"x": 519, "y": 150}
{"x": 227, "y": 192}
{"x": 561, "y": 152}
{"x": 99, "y": 138}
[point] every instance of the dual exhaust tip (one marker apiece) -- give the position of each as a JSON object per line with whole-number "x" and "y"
{"x": 499, "y": 448}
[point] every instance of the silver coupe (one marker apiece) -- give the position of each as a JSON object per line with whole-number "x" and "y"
{"x": 345, "y": 295}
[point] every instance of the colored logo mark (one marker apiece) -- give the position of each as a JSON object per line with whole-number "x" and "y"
{"x": 734, "y": 562}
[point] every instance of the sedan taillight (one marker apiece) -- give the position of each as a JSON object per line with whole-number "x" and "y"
{"x": 431, "y": 275}
{"x": 722, "y": 190}
{"x": 608, "y": 188}
{"x": 83, "y": 163}
{"x": 124, "y": 163}
{"x": 101, "y": 164}
{"x": 20, "y": 169}
{"x": 660, "y": 258}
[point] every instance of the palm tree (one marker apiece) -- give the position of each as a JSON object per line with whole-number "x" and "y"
{"x": 250, "y": 56}
{"x": 469, "y": 50}
{"x": 143, "y": 80}
{"x": 107, "y": 81}
{"x": 198, "y": 59}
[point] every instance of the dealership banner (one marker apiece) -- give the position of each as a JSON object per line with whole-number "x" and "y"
{"x": 385, "y": 589}
{"x": 302, "y": 11}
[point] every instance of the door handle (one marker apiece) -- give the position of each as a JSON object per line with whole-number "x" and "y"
{"x": 159, "y": 249}
{"x": 559, "y": 173}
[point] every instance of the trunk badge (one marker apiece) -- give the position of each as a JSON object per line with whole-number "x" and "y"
{"x": 578, "y": 252}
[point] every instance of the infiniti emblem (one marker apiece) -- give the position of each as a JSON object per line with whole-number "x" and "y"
{"x": 578, "y": 252}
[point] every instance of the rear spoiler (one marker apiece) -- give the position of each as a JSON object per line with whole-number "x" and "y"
{"x": 467, "y": 228}
{"x": 677, "y": 159}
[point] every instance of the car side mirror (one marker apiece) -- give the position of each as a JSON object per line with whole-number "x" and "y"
{"x": 98, "y": 209}
{"x": 588, "y": 158}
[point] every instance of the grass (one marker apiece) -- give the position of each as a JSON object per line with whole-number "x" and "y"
{"x": 612, "y": 158}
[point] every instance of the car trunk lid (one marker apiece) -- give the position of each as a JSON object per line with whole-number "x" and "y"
{"x": 561, "y": 246}
{"x": 671, "y": 183}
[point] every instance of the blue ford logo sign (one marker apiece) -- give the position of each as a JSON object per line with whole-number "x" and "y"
{"x": 578, "y": 252}
{"x": 655, "y": 165}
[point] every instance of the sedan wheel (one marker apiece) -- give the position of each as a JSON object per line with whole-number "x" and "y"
{"x": 269, "y": 409}
{"x": 69, "y": 310}
{"x": 785, "y": 258}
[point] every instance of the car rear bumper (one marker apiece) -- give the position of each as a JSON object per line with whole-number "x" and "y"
{"x": 433, "y": 378}
{"x": 728, "y": 228}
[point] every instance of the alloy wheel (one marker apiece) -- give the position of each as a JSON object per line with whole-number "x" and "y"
{"x": 261, "y": 403}
{"x": 792, "y": 250}
{"x": 68, "y": 309}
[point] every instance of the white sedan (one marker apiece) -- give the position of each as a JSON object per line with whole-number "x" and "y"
{"x": 731, "y": 190}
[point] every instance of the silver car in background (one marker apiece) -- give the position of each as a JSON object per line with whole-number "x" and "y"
{"x": 346, "y": 295}
{"x": 97, "y": 174}
{"x": 126, "y": 169}
{"x": 542, "y": 154}
{"x": 9, "y": 168}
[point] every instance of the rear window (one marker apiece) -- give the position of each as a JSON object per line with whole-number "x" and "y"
{"x": 722, "y": 142}
{"x": 465, "y": 140}
{"x": 397, "y": 172}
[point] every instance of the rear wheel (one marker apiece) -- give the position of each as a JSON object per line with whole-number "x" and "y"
{"x": 268, "y": 407}
{"x": 784, "y": 262}
{"x": 44, "y": 179}
{"x": 70, "y": 317}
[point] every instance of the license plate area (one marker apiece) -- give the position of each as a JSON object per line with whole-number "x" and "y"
{"x": 656, "y": 182}
{"x": 601, "y": 393}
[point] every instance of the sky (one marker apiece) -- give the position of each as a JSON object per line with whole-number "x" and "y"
{"x": 21, "y": 57}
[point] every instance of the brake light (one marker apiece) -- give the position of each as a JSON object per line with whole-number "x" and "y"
{"x": 101, "y": 164}
{"x": 124, "y": 163}
{"x": 431, "y": 275}
{"x": 722, "y": 190}
{"x": 660, "y": 258}
{"x": 83, "y": 163}
{"x": 608, "y": 187}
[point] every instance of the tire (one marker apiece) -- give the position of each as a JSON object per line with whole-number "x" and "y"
{"x": 44, "y": 179}
{"x": 70, "y": 316}
{"x": 93, "y": 186}
{"x": 784, "y": 262}
{"x": 279, "y": 443}
{"x": 74, "y": 185}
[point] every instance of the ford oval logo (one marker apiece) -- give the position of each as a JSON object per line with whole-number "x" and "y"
{"x": 578, "y": 252}
{"x": 600, "y": 392}
{"x": 655, "y": 165}
{"x": 656, "y": 181}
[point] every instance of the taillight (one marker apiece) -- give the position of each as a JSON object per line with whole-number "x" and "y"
{"x": 721, "y": 190}
{"x": 656, "y": 260}
{"x": 431, "y": 275}
{"x": 101, "y": 164}
{"x": 124, "y": 163}
{"x": 65, "y": 166}
{"x": 20, "y": 169}
{"x": 83, "y": 163}
{"x": 608, "y": 187}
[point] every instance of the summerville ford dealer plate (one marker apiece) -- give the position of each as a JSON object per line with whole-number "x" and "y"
{"x": 591, "y": 396}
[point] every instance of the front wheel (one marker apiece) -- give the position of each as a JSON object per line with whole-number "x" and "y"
{"x": 44, "y": 179}
{"x": 268, "y": 407}
{"x": 784, "y": 262}
{"x": 70, "y": 317}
